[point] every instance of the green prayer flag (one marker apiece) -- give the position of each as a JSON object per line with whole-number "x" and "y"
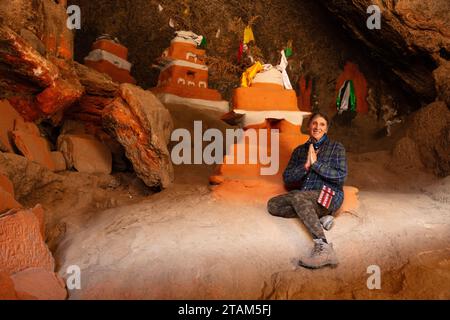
{"x": 288, "y": 52}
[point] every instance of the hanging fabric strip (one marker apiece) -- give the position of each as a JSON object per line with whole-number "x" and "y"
{"x": 248, "y": 35}
{"x": 250, "y": 73}
{"x": 282, "y": 67}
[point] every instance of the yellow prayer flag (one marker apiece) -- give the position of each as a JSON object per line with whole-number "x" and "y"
{"x": 248, "y": 35}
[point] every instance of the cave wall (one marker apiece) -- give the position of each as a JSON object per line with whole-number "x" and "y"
{"x": 42, "y": 23}
{"x": 321, "y": 48}
{"x": 414, "y": 39}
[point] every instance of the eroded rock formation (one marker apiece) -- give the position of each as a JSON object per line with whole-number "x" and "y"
{"x": 413, "y": 40}
{"x": 143, "y": 126}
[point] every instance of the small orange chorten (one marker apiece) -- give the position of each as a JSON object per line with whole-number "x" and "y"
{"x": 267, "y": 101}
{"x": 184, "y": 75}
{"x": 110, "y": 57}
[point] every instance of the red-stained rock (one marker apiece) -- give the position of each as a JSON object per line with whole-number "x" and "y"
{"x": 8, "y": 117}
{"x": 26, "y": 106}
{"x": 63, "y": 92}
{"x": 22, "y": 61}
{"x": 89, "y": 109}
{"x": 96, "y": 83}
{"x": 7, "y": 290}
{"x": 21, "y": 243}
{"x": 34, "y": 148}
{"x": 45, "y": 20}
{"x": 142, "y": 125}
{"x": 38, "y": 284}
{"x": 85, "y": 153}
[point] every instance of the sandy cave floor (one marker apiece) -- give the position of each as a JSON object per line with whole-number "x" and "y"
{"x": 186, "y": 243}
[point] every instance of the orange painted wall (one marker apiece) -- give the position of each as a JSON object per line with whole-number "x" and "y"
{"x": 173, "y": 73}
{"x": 112, "y": 47}
{"x": 257, "y": 98}
{"x": 117, "y": 74}
{"x": 188, "y": 92}
{"x": 178, "y": 50}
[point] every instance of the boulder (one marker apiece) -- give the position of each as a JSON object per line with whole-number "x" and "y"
{"x": 6, "y": 185}
{"x": 59, "y": 161}
{"x": 26, "y": 176}
{"x": 23, "y": 62}
{"x": 37, "y": 87}
{"x": 21, "y": 243}
{"x": 63, "y": 92}
{"x": 442, "y": 78}
{"x": 96, "y": 83}
{"x": 143, "y": 126}
{"x": 38, "y": 284}
{"x": 85, "y": 153}
{"x": 430, "y": 129}
{"x": 89, "y": 110}
{"x": 7, "y": 201}
{"x": 7, "y": 290}
{"x": 7, "y": 120}
{"x": 406, "y": 154}
{"x": 34, "y": 148}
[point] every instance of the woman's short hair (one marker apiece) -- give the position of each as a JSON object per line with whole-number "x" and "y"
{"x": 319, "y": 114}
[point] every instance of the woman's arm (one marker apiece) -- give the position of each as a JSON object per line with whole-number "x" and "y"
{"x": 295, "y": 169}
{"x": 335, "y": 169}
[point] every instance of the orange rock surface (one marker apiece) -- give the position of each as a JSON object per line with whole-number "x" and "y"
{"x": 143, "y": 126}
{"x": 85, "y": 153}
{"x": 6, "y": 184}
{"x": 7, "y": 120}
{"x": 7, "y": 200}
{"x": 7, "y": 290}
{"x": 60, "y": 95}
{"x": 39, "y": 284}
{"x": 21, "y": 243}
{"x": 34, "y": 148}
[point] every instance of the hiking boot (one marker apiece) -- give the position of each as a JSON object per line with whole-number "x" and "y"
{"x": 327, "y": 222}
{"x": 321, "y": 255}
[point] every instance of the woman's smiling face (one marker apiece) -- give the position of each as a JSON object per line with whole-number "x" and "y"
{"x": 318, "y": 128}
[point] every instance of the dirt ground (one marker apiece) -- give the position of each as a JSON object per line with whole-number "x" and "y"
{"x": 188, "y": 243}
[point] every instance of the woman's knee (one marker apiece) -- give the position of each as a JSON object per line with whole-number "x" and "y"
{"x": 272, "y": 206}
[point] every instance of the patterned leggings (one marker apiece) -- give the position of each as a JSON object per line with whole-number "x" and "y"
{"x": 302, "y": 204}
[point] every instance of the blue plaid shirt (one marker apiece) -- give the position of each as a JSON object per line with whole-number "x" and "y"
{"x": 330, "y": 169}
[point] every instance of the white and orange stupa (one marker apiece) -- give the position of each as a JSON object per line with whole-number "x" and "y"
{"x": 267, "y": 101}
{"x": 110, "y": 57}
{"x": 184, "y": 75}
